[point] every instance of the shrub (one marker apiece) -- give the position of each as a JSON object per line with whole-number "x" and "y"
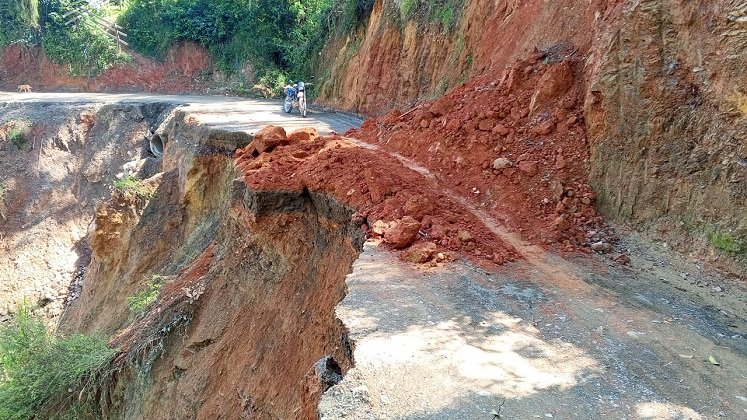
{"x": 18, "y": 134}
{"x": 725, "y": 242}
{"x": 134, "y": 186}
{"x": 142, "y": 300}
{"x": 43, "y": 375}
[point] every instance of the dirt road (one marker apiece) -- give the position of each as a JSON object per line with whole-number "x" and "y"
{"x": 547, "y": 337}
{"x": 230, "y": 113}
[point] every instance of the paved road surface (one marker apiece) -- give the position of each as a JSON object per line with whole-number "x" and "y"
{"x": 228, "y": 113}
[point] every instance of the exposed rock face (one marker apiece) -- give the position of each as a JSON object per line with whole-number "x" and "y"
{"x": 666, "y": 119}
{"x": 395, "y": 64}
{"x": 662, "y": 83}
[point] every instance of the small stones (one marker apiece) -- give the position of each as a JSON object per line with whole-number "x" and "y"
{"x": 601, "y": 246}
{"x": 501, "y": 163}
{"x": 529, "y": 168}
{"x": 500, "y": 130}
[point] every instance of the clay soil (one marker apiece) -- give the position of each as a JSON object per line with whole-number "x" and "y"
{"x": 513, "y": 145}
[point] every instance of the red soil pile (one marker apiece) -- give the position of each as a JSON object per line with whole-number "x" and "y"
{"x": 393, "y": 201}
{"x": 514, "y": 145}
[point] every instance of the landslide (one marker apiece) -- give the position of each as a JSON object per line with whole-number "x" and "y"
{"x": 239, "y": 285}
{"x": 659, "y": 97}
{"x": 514, "y": 146}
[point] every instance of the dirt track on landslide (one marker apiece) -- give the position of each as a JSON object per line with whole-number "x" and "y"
{"x": 546, "y": 336}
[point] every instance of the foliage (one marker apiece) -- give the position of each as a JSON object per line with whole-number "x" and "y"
{"x": 725, "y": 242}
{"x": 43, "y": 373}
{"x": 84, "y": 47}
{"x": 407, "y": 7}
{"x": 132, "y": 185}
{"x": 19, "y": 20}
{"x": 80, "y": 44}
{"x": 143, "y": 299}
{"x": 18, "y": 133}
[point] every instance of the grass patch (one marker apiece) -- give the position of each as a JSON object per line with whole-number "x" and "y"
{"x": 134, "y": 186}
{"x": 146, "y": 297}
{"x": 44, "y": 375}
{"x": 726, "y": 242}
{"x": 19, "y": 132}
{"x": 407, "y": 7}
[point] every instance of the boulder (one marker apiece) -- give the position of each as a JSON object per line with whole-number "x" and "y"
{"x": 402, "y": 233}
{"x": 304, "y": 134}
{"x": 442, "y": 106}
{"x": 421, "y": 253}
{"x": 268, "y": 139}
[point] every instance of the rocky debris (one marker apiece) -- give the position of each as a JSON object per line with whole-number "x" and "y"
{"x": 76, "y": 285}
{"x": 422, "y": 252}
{"x": 500, "y": 130}
{"x": 623, "y": 259}
{"x": 391, "y": 201}
{"x": 267, "y": 139}
{"x": 304, "y": 134}
{"x": 328, "y": 372}
{"x": 402, "y": 233}
{"x": 601, "y": 246}
{"x": 501, "y": 163}
{"x": 529, "y": 168}
{"x": 544, "y": 128}
{"x": 491, "y": 150}
{"x": 442, "y": 106}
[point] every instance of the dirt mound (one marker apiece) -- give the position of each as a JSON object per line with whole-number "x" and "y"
{"x": 513, "y": 145}
{"x": 393, "y": 202}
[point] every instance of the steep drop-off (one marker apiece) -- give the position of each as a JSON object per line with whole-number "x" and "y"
{"x": 248, "y": 283}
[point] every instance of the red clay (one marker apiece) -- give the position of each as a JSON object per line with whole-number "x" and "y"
{"x": 385, "y": 193}
{"x": 531, "y": 119}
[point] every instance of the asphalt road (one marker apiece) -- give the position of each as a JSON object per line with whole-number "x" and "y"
{"x": 226, "y": 112}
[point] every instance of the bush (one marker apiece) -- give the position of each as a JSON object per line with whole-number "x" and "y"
{"x": 134, "y": 186}
{"x": 142, "y": 300}
{"x": 44, "y": 375}
{"x": 725, "y": 242}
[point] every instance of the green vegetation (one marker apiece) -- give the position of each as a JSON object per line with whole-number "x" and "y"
{"x": 134, "y": 186}
{"x": 142, "y": 300}
{"x": 446, "y": 13}
{"x": 19, "y": 133}
{"x": 43, "y": 375}
{"x": 19, "y": 20}
{"x": 407, "y": 7}
{"x": 80, "y": 44}
{"x": 726, "y": 242}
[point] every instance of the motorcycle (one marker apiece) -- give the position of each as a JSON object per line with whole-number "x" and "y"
{"x": 295, "y": 98}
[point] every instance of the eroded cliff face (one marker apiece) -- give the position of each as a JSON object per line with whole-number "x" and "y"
{"x": 395, "y": 61}
{"x": 248, "y": 284}
{"x": 57, "y": 162}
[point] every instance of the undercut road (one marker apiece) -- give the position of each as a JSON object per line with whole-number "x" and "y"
{"x": 228, "y": 113}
